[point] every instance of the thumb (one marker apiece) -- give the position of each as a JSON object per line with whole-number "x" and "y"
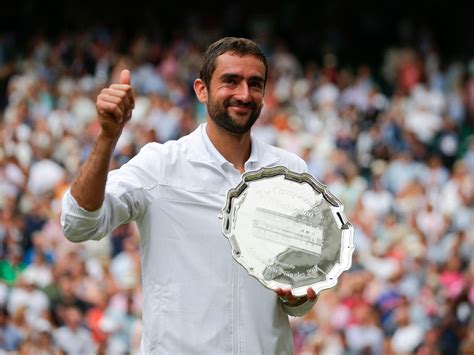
{"x": 125, "y": 77}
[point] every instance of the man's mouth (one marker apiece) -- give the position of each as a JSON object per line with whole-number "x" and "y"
{"x": 240, "y": 109}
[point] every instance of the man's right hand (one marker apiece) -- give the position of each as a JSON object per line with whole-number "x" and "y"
{"x": 114, "y": 106}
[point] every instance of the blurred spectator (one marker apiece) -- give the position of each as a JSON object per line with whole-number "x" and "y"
{"x": 125, "y": 266}
{"x": 400, "y": 171}
{"x": 25, "y": 295}
{"x": 73, "y": 337}
{"x": 10, "y": 337}
{"x": 39, "y": 272}
{"x": 41, "y": 341}
{"x": 12, "y": 266}
{"x": 407, "y": 336}
{"x": 376, "y": 200}
{"x": 365, "y": 336}
{"x": 121, "y": 325}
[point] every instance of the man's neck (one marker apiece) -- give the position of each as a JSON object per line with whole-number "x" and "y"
{"x": 235, "y": 148}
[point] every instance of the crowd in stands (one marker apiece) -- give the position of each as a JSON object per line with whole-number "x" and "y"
{"x": 395, "y": 143}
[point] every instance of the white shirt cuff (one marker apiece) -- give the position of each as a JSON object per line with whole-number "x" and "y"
{"x": 298, "y": 311}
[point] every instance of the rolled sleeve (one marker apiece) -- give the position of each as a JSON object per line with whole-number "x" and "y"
{"x": 79, "y": 224}
{"x": 127, "y": 195}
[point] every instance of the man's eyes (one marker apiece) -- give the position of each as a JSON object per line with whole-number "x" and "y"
{"x": 252, "y": 84}
{"x": 230, "y": 81}
{"x": 257, "y": 85}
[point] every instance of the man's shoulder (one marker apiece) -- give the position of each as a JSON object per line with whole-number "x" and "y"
{"x": 283, "y": 157}
{"x": 280, "y": 152}
{"x": 168, "y": 147}
{"x": 158, "y": 159}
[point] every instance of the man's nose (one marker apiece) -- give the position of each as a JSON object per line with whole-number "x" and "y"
{"x": 243, "y": 92}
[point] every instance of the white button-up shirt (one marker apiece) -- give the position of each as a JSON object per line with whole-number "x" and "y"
{"x": 197, "y": 299}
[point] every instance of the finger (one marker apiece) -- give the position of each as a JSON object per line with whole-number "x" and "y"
{"x": 120, "y": 94}
{"x": 288, "y": 295}
{"x": 122, "y": 101}
{"x": 115, "y": 101}
{"x": 311, "y": 294}
{"x": 107, "y": 109}
{"x": 126, "y": 88}
{"x": 122, "y": 87}
{"x": 125, "y": 77}
{"x": 284, "y": 293}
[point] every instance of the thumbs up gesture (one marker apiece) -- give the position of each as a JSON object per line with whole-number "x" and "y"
{"x": 114, "y": 106}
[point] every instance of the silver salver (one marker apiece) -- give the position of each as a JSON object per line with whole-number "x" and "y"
{"x": 287, "y": 230}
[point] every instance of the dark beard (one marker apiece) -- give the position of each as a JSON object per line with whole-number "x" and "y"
{"x": 220, "y": 116}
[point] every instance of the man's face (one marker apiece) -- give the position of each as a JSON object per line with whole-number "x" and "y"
{"x": 235, "y": 95}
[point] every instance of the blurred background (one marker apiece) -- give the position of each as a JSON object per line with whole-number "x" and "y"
{"x": 378, "y": 98}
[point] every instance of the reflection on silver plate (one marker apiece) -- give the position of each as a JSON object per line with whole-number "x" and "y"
{"x": 287, "y": 230}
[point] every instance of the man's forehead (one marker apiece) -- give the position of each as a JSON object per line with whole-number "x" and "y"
{"x": 247, "y": 64}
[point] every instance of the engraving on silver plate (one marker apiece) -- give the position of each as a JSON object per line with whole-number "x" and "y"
{"x": 287, "y": 230}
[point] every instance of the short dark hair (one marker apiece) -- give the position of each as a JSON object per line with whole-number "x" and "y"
{"x": 239, "y": 46}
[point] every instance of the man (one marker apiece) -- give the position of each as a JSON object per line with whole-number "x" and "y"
{"x": 197, "y": 300}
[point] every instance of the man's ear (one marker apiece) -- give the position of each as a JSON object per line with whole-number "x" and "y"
{"x": 200, "y": 90}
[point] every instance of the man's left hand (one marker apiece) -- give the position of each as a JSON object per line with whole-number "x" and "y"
{"x": 294, "y": 301}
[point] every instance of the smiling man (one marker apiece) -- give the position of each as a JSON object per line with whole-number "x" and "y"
{"x": 197, "y": 299}
{"x": 237, "y": 87}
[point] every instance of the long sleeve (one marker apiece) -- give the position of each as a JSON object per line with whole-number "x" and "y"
{"x": 300, "y": 310}
{"x": 126, "y": 198}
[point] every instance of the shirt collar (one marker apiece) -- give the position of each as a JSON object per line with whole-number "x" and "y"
{"x": 216, "y": 155}
{"x": 202, "y": 150}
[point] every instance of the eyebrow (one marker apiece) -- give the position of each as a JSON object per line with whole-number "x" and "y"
{"x": 256, "y": 78}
